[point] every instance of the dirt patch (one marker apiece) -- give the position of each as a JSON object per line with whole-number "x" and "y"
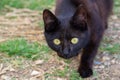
{"x": 21, "y": 23}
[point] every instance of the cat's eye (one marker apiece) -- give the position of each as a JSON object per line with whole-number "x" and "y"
{"x": 56, "y": 41}
{"x": 74, "y": 40}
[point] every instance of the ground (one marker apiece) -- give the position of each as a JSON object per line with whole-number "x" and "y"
{"x": 26, "y": 23}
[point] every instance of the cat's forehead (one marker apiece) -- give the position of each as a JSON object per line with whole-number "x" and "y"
{"x": 64, "y": 21}
{"x": 68, "y": 32}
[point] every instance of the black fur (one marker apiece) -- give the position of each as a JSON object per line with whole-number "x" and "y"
{"x": 82, "y": 19}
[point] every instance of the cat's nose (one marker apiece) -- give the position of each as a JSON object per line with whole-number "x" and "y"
{"x": 66, "y": 51}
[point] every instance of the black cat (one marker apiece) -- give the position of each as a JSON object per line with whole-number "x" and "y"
{"x": 76, "y": 25}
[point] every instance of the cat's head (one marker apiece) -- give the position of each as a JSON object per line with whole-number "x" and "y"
{"x": 67, "y": 35}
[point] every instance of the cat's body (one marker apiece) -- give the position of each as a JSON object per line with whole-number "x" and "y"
{"x": 77, "y": 24}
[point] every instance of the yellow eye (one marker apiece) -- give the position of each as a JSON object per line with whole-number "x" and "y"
{"x": 74, "y": 40}
{"x": 56, "y": 41}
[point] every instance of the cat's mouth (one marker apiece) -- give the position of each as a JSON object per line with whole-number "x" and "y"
{"x": 67, "y": 56}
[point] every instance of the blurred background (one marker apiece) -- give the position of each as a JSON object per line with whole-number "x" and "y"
{"x": 24, "y": 54}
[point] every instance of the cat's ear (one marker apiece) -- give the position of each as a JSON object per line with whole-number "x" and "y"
{"x": 50, "y": 20}
{"x": 81, "y": 13}
{"x": 80, "y": 18}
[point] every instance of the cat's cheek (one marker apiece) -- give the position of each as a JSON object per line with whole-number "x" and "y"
{"x": 54, "y": 47}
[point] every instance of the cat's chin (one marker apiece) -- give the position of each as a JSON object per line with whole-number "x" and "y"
{"x": 67, "y": 56}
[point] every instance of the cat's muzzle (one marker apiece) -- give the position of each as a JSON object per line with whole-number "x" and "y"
{"x": 67, "y": 56}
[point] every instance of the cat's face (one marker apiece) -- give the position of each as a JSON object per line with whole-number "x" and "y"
{"x": 66, "y": 36}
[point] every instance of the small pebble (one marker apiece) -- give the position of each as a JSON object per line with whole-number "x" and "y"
{"x": 114, "y": 17}
{"x": 105, "y": 58}
{"x": 117, "y": 25}
{"x": 38, "y": 62}
{"x": 96, "y": 67}
{"x": 97, "y": 62}
{"x": 102, "y": 66}
{"x": 59, "y": 79}
{"x": 107, "y": 63}
{"x": 113, "y": 61}
{"x": 33, "y": 73}
{"x": 4, "y": 77}
{"x": 116, "y": 62}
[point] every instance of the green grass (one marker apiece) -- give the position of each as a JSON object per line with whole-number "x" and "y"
{"x": 21, "y": 47}
{"x": 111, "y": 48}
{"x": 61, "y": 73}
{"x": 95, "y": 74}
{"x": 68, "y": 73}
{"x": 74, "y": 75}
{"x": 117, "y": 6}
{"x": 108, "y": 46}
{"x": 31, "y": 4}
{"x": 40, "y": 4}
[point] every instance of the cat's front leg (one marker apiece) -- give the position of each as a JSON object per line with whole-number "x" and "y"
{"x": 87, "y": 58}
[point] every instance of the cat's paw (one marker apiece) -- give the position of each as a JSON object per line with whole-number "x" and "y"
{"x": 85, "y": 72}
